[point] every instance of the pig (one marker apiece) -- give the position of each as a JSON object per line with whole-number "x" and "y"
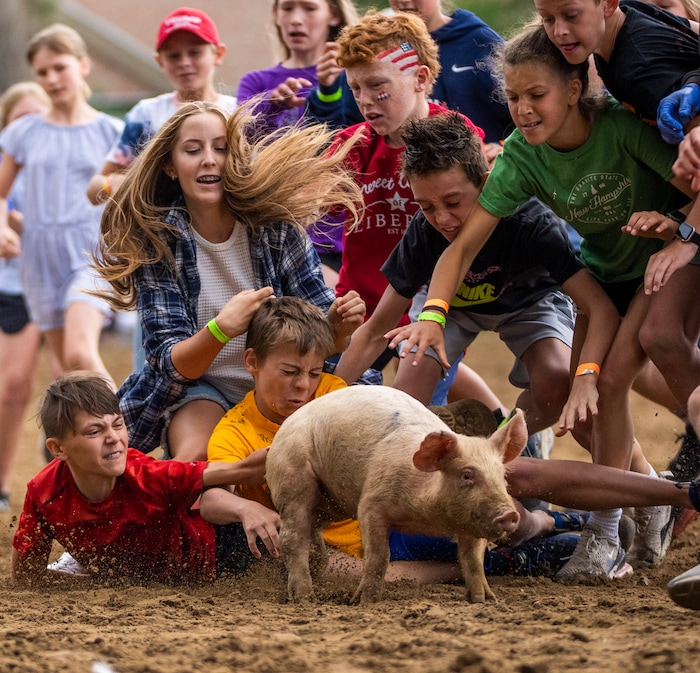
{"x": 376, "y": 454}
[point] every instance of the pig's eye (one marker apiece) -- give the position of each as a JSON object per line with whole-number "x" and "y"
{"x": 468, "y": 477}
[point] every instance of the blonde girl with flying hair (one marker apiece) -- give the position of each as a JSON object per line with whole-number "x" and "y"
{"x": 207, "y": 225}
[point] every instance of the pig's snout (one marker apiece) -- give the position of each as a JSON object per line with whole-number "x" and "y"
{"x": 508, "y": 521}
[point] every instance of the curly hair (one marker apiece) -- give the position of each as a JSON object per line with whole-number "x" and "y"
{"x": 375, "y": 32}
{"x": 282, "y": 177}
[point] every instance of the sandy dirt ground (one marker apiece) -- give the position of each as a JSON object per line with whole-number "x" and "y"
{"x": 537, "y": 626}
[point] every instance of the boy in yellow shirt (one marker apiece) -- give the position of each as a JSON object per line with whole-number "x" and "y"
{"x": 287, "y": 342}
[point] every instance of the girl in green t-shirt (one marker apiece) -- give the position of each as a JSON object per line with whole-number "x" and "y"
{"x": 594, "y": 164}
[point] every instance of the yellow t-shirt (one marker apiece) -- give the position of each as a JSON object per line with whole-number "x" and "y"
{"x": 243, "y": 429}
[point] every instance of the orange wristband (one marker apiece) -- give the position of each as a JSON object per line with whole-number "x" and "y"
{"x": 588, "y": 368}
{"x": 437, "y": 302}
{"x": 107, "y": 186}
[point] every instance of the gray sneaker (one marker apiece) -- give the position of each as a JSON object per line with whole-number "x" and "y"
{"x": 595, "y": 556}
{"x": 653, "y": 536}
{"x": 685, "y": 589}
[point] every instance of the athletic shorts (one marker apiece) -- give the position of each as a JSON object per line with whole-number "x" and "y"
{"x": 621, "y": 294}
{"x": 14, "y": 316}
{"x": 550, "y": 317}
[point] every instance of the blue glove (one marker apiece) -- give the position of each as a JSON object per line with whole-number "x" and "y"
{"x": 676, "y": 110}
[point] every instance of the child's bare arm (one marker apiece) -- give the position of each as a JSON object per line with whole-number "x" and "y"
{"x": 105, "y": 183}
{"x": 368, "y": 342}
{"x": 250, "y": 470}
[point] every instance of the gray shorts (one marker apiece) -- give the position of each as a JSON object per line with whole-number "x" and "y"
{"x": 551, "y": 316}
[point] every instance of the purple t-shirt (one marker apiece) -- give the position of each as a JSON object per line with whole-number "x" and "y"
{"x": 327, "y": 238}
{"x": 264, "y": 81}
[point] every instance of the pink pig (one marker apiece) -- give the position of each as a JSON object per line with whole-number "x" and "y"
{"x": 376, "y": 454}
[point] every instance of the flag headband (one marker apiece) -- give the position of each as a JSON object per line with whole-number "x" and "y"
{"x": 403, "y": 56}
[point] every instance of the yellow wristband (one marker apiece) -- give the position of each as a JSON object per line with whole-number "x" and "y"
{"x": 216, "y": 331}
{"x": 587, "y": 368}
{"x": 107, "y": 185}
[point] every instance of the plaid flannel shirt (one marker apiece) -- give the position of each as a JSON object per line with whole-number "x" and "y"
{"x": 282, "y": 257}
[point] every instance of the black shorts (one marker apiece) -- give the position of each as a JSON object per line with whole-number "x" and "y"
{"x": 621, "y": 294}
{"x": 14, "y": 316}
{"x": 233, "y": 557}
{"x": 331, "y": 259}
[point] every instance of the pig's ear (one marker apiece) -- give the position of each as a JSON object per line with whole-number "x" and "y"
{"x": 434, "y": 450}
{"x": 510, "y": 440}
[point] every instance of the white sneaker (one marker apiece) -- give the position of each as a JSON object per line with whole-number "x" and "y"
{"x": 68, "y": 565}
{"x": 653, "y": 536}
{"x": 595, "y": 556}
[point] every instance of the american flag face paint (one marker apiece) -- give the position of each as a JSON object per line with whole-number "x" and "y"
{"x": 403, "y": 57}
{"x": 382, "y": 96}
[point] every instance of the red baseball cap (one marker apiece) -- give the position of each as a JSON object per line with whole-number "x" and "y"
{"x": 193, "y": 21}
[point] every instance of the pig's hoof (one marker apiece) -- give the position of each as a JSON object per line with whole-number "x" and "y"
{"x": 301, "y": 593}
{"x": 481, "y": 596}
{"x": 309, "y": 599}
{"x": 365, "y": 597}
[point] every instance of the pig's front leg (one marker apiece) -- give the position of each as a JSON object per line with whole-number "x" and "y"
{"x": 375, "y": 544}
{"x": 471, "y": 560}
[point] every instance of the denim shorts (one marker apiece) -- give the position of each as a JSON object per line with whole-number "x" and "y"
{"x": 201, "y": 390}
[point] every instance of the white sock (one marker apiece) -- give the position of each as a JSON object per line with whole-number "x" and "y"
{"x": 606, "y": 522}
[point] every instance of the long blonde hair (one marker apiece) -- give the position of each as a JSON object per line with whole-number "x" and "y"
{"x": 282, "y": 177}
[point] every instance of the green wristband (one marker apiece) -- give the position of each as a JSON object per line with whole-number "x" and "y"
{"x": 216, "y": 331}
{"x": 330, "y": 97}
{"x": 433, "y": 316}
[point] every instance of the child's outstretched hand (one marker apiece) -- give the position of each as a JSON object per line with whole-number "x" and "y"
{"x": 347, "y": 313}
{"x": 582, "y": 401}
{"x": 423, "y": 334}
{"x": 663, "y": 264}
{"x": 650, "y": 224}
{"x": 292, "y": 92}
